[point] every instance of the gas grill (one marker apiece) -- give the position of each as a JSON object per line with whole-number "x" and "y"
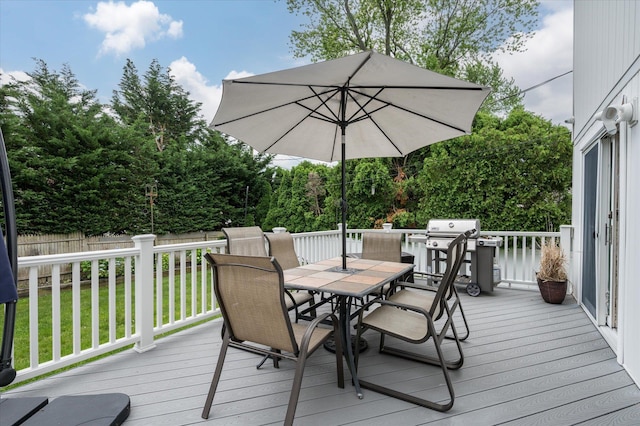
{"x": 478, "y": 272}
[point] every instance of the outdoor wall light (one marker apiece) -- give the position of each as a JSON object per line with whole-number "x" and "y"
{"x": 608, "y": 121}
{"x": 614, "y": 114}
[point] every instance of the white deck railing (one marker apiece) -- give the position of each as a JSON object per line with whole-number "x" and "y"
{"x": 156, "y": 289}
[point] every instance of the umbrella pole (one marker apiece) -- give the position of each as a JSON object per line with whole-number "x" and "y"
{"x": 344, "y": 204}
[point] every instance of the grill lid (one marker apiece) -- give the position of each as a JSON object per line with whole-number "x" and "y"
{"x": 452, "y": 227}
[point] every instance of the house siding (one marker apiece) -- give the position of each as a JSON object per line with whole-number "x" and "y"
{"x": 606, "y": 72}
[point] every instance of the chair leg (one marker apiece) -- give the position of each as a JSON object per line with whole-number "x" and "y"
{"x": 464, "y": 318}
{"x": 413, "y": 399}
{"x": 466, "y": 326}
{"x": 339, "y": 359}
{"x": 295, "y": 388}
{"x": 276, "y": 360}
{"x": 451, "y": 365}
{"x": 216, "y": 377}
{"x": 262, "y": 361}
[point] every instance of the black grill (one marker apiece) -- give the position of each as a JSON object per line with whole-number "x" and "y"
{"x": 478, "y": 272}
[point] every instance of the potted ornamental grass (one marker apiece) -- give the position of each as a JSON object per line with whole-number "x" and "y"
{"x": 552, "y": 276}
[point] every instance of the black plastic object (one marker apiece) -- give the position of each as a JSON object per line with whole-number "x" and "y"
{"x": 15, "y": 411}
{"x": 7, "y": 373}
{"x": 109, "y": 409}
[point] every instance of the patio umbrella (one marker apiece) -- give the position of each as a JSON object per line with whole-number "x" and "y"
{"x": 8, "y": 264}
{"x": 358, "y": 106}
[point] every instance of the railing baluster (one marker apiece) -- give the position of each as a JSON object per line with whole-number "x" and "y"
{"x": 95, "y": 304}
{"x": 76, "y": 308}
{"x": 183, "y": 284}
{"x": 34, "y": 318}
{"x": 55, "y": 312}
{"x": 172, "y": 287}
{"x": 194, "y": 283}
{"x": 112, "y": 300}
{"x": 159, "y": 274}
{"x": 127, "y": 297}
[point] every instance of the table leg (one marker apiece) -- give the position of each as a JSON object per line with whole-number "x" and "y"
{"x": 345, "y": 324}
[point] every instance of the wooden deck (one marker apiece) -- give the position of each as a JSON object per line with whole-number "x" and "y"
{"x": 526, "y": 362}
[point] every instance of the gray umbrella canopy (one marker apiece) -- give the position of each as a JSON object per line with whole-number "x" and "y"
{"x": 359, "y": 106}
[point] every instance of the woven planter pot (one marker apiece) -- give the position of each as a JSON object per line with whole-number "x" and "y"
{"x": 552, "y": 291}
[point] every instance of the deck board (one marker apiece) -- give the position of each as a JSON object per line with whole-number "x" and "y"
{"x": 526, "y": 362}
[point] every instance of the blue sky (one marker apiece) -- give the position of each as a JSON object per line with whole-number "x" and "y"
{"x": 205, "y": 41}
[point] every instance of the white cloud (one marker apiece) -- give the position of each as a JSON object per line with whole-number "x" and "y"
{"x": 175, "y": 29}
{"x": 130, "y": 27}
{"x": 6, "y": 77}
{"x": 200, "y": 89}
{"x": 549, "y": 53}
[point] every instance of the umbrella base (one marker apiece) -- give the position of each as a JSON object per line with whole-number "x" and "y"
{"x": 98, "y": 410}
{"x": 16, "y": 411}
{"x": 330, "y": 344}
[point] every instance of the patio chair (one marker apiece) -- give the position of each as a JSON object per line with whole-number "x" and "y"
{"x": 247, "y": 240}
{"x": 426, "y": 293}
{"x": 424, "y": 296}
{"x": 417, "y": 325}
{"x": 251, "y": 241}
{"x": 385, "y": 246}
{"x": 281, "y": 247}
{"x": 251, "y": 294}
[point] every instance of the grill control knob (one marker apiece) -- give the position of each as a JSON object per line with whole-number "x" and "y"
{"x": 435, "y": 244}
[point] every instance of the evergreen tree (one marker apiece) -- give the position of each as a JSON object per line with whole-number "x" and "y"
{"x": 202, "y": 179}
{"x": 70, "y": 163}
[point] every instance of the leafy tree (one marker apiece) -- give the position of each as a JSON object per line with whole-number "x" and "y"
{"x": 299, "y": 198}
{"x": 452, "y": 37}
{"x": 315, "y": 191}
{"x": 512, "y": 173}
{"x": 279, "y": 206}
{"x": 76, "y": 168}
{"x": 370, "y": 194}
{"x": 71, "y": 166}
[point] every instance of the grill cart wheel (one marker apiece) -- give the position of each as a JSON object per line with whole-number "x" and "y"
{"x": 473, "y": 289}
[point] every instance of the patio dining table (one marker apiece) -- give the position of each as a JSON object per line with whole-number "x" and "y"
{"x": 360, "y": 278}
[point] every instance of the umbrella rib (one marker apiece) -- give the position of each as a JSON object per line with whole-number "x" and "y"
{"x": 323, "y": 102}
{"x": 319, "y": 116}
{"x": 295, "y": 102}
{"x": 389, "y": 104}
{"x": 367, "y": 114}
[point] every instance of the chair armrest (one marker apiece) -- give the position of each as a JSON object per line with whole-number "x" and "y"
{"x": 382, "y": 301}
{"x": 306, "y": 337}
{"x": 407, "y": 284}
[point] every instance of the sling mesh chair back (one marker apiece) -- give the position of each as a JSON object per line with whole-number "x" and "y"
{"x": 282, "y": 248}
{"x": 247, "y": 240}
{"x": 417, "y": 325}
{"x": 385, "y": 246}
{"x": 250, "y": 292}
